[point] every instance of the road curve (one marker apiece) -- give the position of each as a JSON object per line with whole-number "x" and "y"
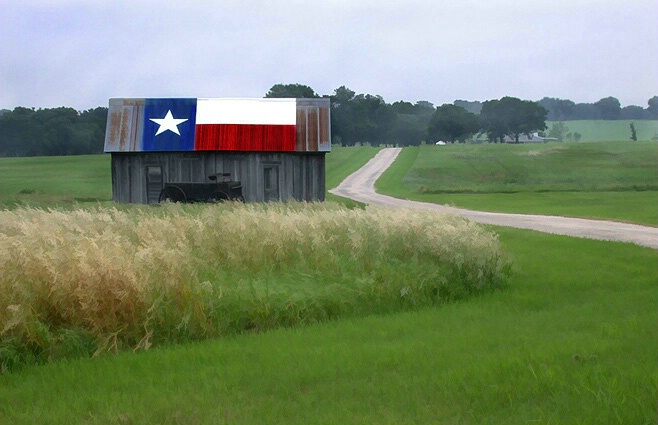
{"x": 360, "y": 187}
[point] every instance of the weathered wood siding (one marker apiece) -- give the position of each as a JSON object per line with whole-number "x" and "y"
{"x": 265, "y": 176}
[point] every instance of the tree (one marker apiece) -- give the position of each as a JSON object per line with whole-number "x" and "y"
{"x": 585, "y": 111}
{"x": 291, "y": 90}
{"x": 653, "y": 108}
{"x": 609, "y": 108}
{"x": 633, "y": 133}
{"x": 410, "y": 121}
{"x": 492, "y": 122}
{"x": 362, "y": 118}
{"x": 510, "y": 116}
{"x": 342, "y": 124}
{"x": 558, "y": 109}
{"x": 373, "y": 118}
{"x": 633, "y": 112}
{"x": 474, "y": 107}
{"x": 452, "y": 123}
{"x": 423, "y": 106}
{"x": 558, "y": 130}
{"x": 407, "y": 130}
{"x": 54, "y": 131}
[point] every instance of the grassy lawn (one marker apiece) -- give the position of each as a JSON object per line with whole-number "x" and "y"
{"x": 616, "y": 181}
{"x": 573, "y": 340}
{"x": 606, "y": 131}
{"x": 55, "y": 180}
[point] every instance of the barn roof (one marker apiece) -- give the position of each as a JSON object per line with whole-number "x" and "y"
{"x": 220, "y": 124}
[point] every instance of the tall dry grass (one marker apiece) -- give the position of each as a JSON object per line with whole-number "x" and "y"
{"x": 88, "y": 281}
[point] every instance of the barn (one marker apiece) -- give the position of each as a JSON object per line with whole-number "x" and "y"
{"x": 275, "y": 147}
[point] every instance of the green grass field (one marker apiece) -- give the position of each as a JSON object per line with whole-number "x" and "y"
{"x": 609, "y": 131}
{"x": 616, "y": 180}
{"x": 56, "y": 180}
{"x": 572, "y": 339}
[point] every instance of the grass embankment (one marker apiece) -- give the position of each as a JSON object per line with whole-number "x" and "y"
{"x": 55, "y": 180}
{"x": 85, "y": 281}
{"x": 573, "y": 340}
{"x": 610, "y": 130}
{"x": 616, "y": 181}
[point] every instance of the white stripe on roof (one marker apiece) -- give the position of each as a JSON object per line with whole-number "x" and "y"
{"x": 246, "y": 111}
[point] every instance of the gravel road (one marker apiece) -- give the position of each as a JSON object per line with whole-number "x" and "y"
{"x": 360, "y": 187}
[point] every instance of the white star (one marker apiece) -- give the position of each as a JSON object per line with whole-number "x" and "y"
{"x": 168, "y": 123}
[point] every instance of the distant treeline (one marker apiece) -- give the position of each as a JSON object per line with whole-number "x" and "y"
{"x": 608, "y": 108}
{"x": 367, "y": 118}
{"x": 51, "y": 131}
{"x": 355, "y": 118}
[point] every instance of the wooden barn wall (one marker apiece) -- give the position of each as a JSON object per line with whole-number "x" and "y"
{"x": 299, "y": 176}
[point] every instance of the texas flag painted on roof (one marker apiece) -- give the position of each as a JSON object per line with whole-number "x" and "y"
{"x": 191, "y": 124}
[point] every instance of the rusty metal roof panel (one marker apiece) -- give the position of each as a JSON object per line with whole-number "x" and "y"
{"x": 266, "y": 125}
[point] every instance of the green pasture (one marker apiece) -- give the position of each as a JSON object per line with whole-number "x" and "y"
{"x": 610, "y": 130}
{"x": 55, "y": 180}
{"x": 572, "y": 339}
{"x": 612, "y": 180}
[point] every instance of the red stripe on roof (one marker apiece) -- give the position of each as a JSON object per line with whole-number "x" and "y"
{"x": 245, "y": 137}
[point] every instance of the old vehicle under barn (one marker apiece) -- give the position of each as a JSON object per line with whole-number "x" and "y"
{"x": 221, "y": 188}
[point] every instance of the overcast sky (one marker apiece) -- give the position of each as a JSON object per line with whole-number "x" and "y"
{"x": 81, "y": 53}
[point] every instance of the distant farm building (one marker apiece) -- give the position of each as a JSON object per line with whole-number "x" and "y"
{"x": 275, "y": 147}
{"x": 529, "y": 138}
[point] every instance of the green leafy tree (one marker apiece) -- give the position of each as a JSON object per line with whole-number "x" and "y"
{"x": 362, "y": 118}
{"x": 452, "y": 123}
{"x": 474, "y": 107}
{"x": 512, "y": 117}
{"x": 633, "y": 133}
{"x": 608, "y": 108}
{"x": 54, "y": 131}
{"x": 342, "y": 124}
{"x": 633, "y": 112}
{"x": 372, "y": 119}
{"x": 558, "y": 109}
{"x": 409, "y": 127}
{"x": 291, "y": 90}
{"x": 407, "y": 130}
{"x": 19, "y": 135}
{"x": 558, "y": 130}
{"x": 653, "y": 108}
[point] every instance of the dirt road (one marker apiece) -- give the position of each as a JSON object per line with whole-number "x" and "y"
{"x": 360, "y": 187}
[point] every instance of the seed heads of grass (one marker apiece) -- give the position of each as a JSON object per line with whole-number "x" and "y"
{"x": 107, "y": 279}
